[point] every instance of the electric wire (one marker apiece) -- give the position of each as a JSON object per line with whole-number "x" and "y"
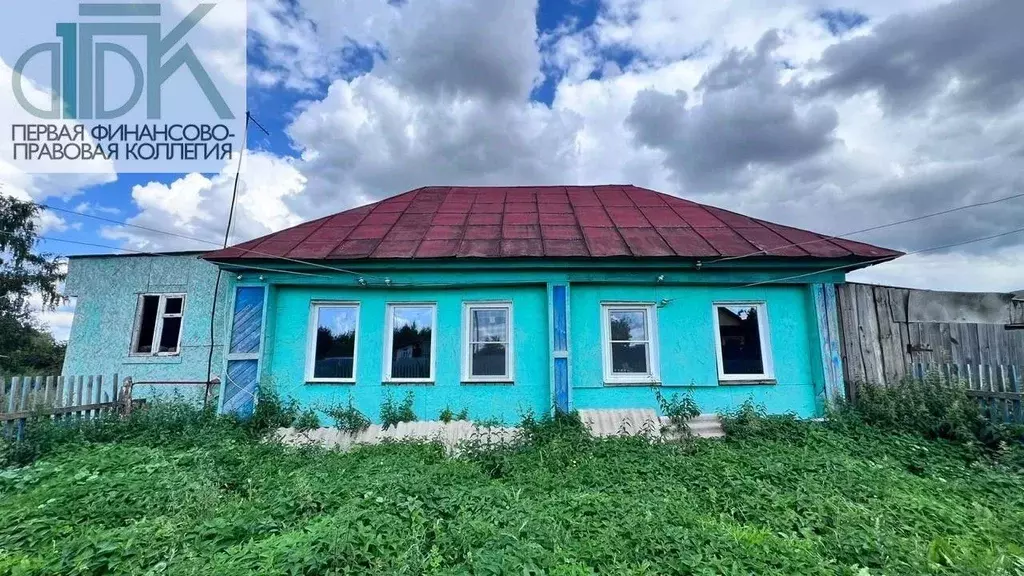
{"x": 869, "y": 229}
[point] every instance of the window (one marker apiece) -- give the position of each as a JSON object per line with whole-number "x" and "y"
{"x": 487, "y": 342}
{"x": 409, "y": 349}
{"x": 741, "y": 341}
{"x": 630, "y": 343}
{"x": 331, "y": 355}
{"x": 157, "y": 328}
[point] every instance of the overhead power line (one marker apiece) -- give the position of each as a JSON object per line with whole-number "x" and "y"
{"x": 144, "y": 253}
{"x": 871, "y": 228}
{"x": 204, "y": 241}
{"x": 886, "y": 259}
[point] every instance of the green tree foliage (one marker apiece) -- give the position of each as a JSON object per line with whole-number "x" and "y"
{"x": 24, "y": 346}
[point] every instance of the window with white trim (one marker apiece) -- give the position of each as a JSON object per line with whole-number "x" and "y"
{"x": 331, "y": 356}
{"x": 741, "y": 341}
{"x": 487, "y": 341}
{"x": 158, "y": 325}
{"x": 630, "y": 343}
{"x": 410, "y": 342}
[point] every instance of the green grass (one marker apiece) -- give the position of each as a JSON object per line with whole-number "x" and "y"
{"x": 791, "y": 498}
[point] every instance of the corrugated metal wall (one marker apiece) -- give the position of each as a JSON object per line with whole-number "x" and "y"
{"x": 886, "y": 330}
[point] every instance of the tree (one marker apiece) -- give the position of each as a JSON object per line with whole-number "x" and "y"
{"x": 24, "y": 345}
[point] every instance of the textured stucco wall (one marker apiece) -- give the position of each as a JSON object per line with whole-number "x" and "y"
{"x": 687, "y": 348}
{"x": 285, "y": 359}
{"x": 106, "y": 290}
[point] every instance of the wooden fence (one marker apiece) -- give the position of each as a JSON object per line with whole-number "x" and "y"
{"x": 998, "y": 389}
{"x": 77, "y": 397}
{"x": 887, "y": 331}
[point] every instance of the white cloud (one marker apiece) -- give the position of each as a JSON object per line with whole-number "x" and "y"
{"x": 447, "y": 103}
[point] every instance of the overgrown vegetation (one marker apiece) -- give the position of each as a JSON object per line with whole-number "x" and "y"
{"x": 447, "y": 415}
{"x": 348, "y": 418}
{"x": 178, "y": 490}
{"x": 934, "y": 407}
{"x": 678, "y": 409}
{"x": 307, "y": 420}
{"x": 392, "y": 412}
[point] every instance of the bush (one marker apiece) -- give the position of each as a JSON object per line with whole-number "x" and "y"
{"x": 752, "y": 421}
{"x": 162, "y": 422}
{"x": 932, "y": 407}
{"x": 307, "y": 420}
{"x": 348, "y": 418}
{"x": 679, "y": 410}
{"x": 447, "y": 415}
{"x": 271, "y": 412}
{"x": 391, "y": 413}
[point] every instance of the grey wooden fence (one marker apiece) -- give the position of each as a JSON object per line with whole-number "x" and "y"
{"x": 998, "y": 389}
{"x": 80, "y": 397}
{"x": 887, "y": 331}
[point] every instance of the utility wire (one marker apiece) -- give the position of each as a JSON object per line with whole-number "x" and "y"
{"x": 144, "y": 253}
{"x": 870, "y": 229}
{"x": 204, "y": 241}
{"x": 886, "y": 259}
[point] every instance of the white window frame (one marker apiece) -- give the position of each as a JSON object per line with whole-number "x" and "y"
{"x": 314, "y": 324}
{"x": 763, "y": 332}
{"x": 158, "y": 328}
{"x": 389, "y": 322}
{"x": 653, "y": 374}
{"x": 467, "y": 341}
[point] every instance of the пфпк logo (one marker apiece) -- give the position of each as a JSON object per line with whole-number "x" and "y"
{"x": 110, "y": 77}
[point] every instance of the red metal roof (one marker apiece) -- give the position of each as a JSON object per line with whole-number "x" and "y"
{"x": 548, "y": 221}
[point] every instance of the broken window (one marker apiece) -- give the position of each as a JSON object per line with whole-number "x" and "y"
{"x": 158, "y": 324}
{"x": 742, "y": 341}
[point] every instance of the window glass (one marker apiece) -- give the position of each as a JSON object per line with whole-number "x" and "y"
{"x": 335, "y": 346}
{"x": 628, "y": 333}
{"x": 489, "y": 336}
{"x": 412, "y": 332}
{"x": 739, "y": 339}
{"x": 146, "y": 327}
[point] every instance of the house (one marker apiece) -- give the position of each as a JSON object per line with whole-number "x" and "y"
{"x": 499, "y": 300}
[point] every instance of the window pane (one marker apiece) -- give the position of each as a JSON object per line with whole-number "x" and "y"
{"x": 490, "y": 325}
{"x": 628, "y": 325}
{"x": 740, "y": 338}
{"x": 334, "y": 353}
{"x": 412, "y": 331}
{"x": 629, "y": 358}
{"x": 169, "y": 336}
{"x": 173, "y": 306}
{"x": 147, "y": 324}
{"x": 488, "y": 360}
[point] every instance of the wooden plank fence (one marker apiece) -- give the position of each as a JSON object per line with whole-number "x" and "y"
{"x": 73, "y": 397}
{"x": 998, "y": 389}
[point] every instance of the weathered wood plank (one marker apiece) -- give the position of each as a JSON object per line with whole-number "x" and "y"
{"x": 892, "y": 357}
{"x": 853, "y": 363}
{"x": 867, "y": 318}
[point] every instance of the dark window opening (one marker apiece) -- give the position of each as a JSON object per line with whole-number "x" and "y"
{"x": 169, "y": 335}
{"x": 630, "y": 342}
{"x": 147, "y": 325}
{"x": 739, "y": 335}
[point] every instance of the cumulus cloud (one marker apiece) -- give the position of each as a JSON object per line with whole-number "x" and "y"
{"x": 745, "y": 119}
{"x": 768, "y": 109}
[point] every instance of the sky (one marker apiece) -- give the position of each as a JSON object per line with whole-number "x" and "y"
{"x": 823, "y": 114}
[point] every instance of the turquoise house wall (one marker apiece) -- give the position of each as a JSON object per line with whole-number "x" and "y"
{"x": 288, "y": 336}
{"x": 686, "y": 336}
{"x": 106, "y": 291}
{"x": 687, "y": 347}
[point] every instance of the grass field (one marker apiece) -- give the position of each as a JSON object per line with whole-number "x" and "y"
{"x": 777, "y": 498}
